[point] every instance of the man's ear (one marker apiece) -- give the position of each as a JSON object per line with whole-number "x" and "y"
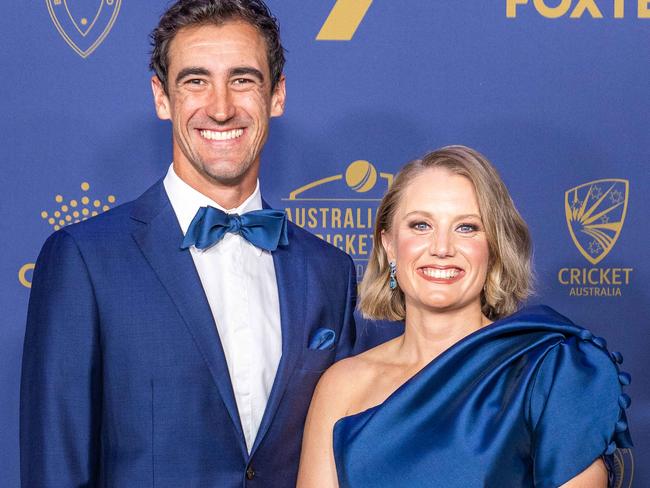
{"x": 160, "y": 99}
{"x": 278, "y": 97}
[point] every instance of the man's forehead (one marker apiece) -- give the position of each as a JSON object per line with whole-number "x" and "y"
{"x": 236, "y": 39}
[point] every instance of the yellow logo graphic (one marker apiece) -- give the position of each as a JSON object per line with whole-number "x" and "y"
{"x": 66, "y": 212}
{"x": 83, "y": 24}
{"x": 360, "y": 176}
{"x": 344, "y": 20}
{"x": 595, "y": 213}
{"x": 76, "y": 209}
{"x": 340, "y": 209}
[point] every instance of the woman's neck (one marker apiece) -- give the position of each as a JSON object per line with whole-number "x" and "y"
{"x": 428, "y": 333}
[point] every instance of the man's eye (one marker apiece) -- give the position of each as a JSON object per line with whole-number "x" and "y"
{"x": 195, "y": 82}
{"x": 242, "y": 81}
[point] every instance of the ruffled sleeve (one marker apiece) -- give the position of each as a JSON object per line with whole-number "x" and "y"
{"x": 576, "y": 409}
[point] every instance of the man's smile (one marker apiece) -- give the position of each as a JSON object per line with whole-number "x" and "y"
{"x": 221, "y": 135}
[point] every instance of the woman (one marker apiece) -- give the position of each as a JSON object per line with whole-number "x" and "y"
{"x": 474, "y": 393}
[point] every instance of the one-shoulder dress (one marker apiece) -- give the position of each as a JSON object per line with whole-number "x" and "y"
{"x": 529, "y": 401}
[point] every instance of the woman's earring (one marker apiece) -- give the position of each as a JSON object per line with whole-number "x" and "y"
{"x": 392, "y": 283}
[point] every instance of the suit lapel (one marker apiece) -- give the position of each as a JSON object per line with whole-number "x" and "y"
{"x": 291, "y": 276}
{"x": 160, "y": 241}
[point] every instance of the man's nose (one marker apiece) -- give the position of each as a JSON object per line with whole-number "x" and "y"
{"x": 221, "y": 107}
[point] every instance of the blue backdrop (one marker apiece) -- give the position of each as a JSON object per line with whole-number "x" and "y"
{"x": 554, "y": 92}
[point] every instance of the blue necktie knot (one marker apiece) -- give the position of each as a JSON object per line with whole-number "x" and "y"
{"x": 235, "y": 223}
{"x": 266, "y": 229}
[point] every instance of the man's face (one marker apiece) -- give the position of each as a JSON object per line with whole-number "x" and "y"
{"x": 219, "y": 100}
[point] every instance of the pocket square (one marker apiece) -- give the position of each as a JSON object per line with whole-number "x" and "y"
{"x": 322, "y": 339}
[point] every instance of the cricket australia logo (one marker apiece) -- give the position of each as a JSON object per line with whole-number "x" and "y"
{"x": 83, "y": 24}
{"x": 341, "y": 208}
{"x": 595, "y": 213}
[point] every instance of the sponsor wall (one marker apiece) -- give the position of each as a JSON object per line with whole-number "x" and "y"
{"x": 554, "y": 92}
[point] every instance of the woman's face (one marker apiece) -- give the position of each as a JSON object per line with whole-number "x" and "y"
{"x": 438, "y": 242}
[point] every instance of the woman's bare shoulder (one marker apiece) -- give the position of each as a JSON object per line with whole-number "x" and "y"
{"x": 347, "y": 380}
{"x": 363, "y": 365}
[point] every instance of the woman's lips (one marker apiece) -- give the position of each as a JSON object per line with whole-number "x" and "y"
{"x": 446, "y": 274}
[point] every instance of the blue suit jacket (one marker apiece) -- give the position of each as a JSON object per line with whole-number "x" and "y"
{"x": 124, "y": 380}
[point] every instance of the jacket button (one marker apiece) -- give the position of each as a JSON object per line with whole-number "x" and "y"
{"x": 250, "y": 473}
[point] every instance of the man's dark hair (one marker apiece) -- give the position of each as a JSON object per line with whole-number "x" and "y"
{"x": 188, "y": 13}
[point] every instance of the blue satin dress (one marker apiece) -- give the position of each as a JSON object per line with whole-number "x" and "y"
{"x": 528, "y": 401}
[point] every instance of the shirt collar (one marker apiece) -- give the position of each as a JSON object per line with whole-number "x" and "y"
{"x": 186, "y": 201}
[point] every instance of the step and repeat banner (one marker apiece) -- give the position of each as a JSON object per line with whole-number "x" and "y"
{"x": 554, "y": 92}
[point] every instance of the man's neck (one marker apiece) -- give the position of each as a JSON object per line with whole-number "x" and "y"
{"x": 226, "y": 195}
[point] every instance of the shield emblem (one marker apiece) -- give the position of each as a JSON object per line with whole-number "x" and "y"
{"x": 83, "y": 24}
{"x": 595, "y": 213}
{"x": 623, "y": 464}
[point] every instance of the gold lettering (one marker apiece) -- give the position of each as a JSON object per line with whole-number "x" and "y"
{"x": 511, "y": 7}
{"x": 616, "y": 276}
{"x": 586, "y": 5}
{"x": 604, "y": 276}
{"x": 627, "y": 272}
{"x": 22, "y": 274}
{"x": 619, "y": 9}
{"x": 336, "y": 218}
{"x": 560, "y": 275}
{"x": 644, "y": 9}
{"x": 349, "y": 243}
{"x": 552, "y": 12}
{"x": 301, "y": 217}
{"x": 348, "y": 221}
{"x": 363, "y": 241}
{"x": 359, "y": 223}
{"x": 594, "y": 276}
{"x": 312, "y": 213}
{"x": 593, "y": 281}
{"x": 324, "y": 212}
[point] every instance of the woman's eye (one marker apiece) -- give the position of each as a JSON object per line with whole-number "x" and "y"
{"x": 467, "y": 228}
{"x": 419, "y": 226}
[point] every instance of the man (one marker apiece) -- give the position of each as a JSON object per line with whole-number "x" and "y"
{"x": 170, "y": 343}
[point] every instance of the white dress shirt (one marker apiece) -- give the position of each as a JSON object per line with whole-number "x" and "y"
{"x": 239, "y": 283}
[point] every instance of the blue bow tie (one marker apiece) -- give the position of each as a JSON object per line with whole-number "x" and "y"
{"x": 265, "y": 229}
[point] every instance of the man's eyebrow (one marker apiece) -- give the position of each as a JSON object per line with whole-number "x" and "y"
{"x": 247, "y": 70}
{"x": 191, "y": 71}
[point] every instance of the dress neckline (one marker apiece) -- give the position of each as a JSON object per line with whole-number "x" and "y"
{"x": 539, "y": 309}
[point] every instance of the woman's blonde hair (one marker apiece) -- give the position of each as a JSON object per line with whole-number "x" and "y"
{"x": 509, "y": 278}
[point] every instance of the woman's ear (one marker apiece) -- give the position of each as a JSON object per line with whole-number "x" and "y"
{"x": 387, "y": 243}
